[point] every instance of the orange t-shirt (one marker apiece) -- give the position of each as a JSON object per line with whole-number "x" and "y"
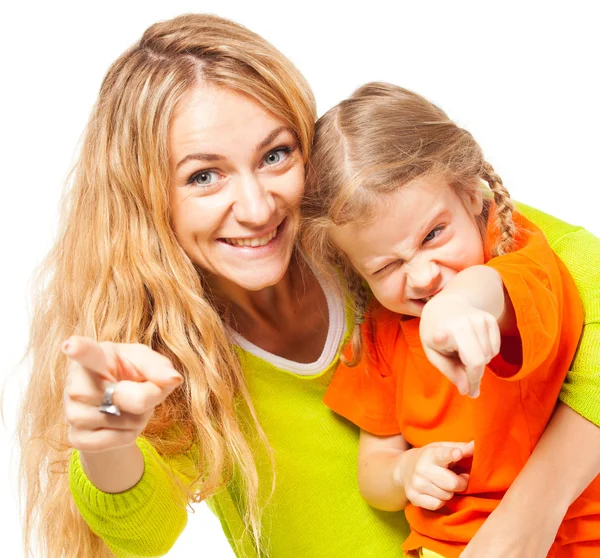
{"x": 396, "y": 390}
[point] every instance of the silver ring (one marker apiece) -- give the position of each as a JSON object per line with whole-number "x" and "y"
{"x": 108, "y": 407}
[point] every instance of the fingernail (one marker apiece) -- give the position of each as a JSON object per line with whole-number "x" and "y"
{"x": 175, "y": 378}
{"x": 65, "y": 346}
{"x": 131, "y": 368}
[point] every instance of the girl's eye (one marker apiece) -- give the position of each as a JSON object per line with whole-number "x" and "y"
{"x": 386, "y": 267}
{"x": 276, "y": 155}
{"x": 433, "y": 233}
{"x": 204, "y": 178}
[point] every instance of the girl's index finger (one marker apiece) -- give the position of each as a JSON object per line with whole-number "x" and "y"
{"x": 445, "y": 456}
{"x": 89, "y": 354}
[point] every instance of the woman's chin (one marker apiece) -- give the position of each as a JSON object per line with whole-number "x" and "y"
{"x": 261, "y": 278}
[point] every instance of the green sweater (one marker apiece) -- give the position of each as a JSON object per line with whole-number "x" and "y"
{"x": 316, "y": 509}
{"x": 580, "y": 251}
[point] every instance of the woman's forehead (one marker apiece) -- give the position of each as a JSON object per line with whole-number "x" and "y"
{"x": 215, "y": 115}
{"x": 213, "y": 124}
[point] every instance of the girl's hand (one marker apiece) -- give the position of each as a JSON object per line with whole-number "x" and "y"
{"x": 459, "y": 340}
{"x": 143, "y": 379}
{"x": 424, "y": 473}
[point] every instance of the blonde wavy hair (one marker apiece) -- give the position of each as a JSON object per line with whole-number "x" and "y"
{"x": 118, "y": 273}
{"x": 374, "y": 142}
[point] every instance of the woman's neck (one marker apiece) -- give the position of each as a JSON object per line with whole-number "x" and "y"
{"x": 289, "y": 319}
{"x": 263, "y": 305}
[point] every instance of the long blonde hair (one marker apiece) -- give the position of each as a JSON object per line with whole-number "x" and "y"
{"x": 374, "y": 142}
{"x": 117, "y": 272}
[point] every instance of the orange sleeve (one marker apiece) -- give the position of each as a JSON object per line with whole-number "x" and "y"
{"x": 545, "y": 300}
{"x": 366, "y": 394}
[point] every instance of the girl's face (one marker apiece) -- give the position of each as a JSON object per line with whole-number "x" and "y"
{"x": 421, "y": 237}
{"x": 237, "y": 176}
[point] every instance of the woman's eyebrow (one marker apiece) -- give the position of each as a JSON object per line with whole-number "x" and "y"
{"x": 211, "y": 157}
{"x": 276, "y": 132}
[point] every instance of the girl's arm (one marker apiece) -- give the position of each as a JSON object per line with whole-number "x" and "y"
{"x": 391, "y": 474}
{"x": 526, "y": 521}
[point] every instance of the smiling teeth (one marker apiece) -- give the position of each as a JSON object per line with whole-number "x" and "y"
{"x": 253, "y": 242}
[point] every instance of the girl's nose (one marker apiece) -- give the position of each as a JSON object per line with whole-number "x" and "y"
{"x": 423, "y": 277}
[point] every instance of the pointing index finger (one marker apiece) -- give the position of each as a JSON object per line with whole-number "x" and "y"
{"x": 89, "y": 354}
{"x": 446, "y": 454}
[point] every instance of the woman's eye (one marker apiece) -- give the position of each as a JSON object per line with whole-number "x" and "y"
{"x": 277, "y": 155}
{"x": 432, "y": 234}
{"x": 204, "y": 178}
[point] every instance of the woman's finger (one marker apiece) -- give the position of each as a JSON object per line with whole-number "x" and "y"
{"x": 140, "y": 398}
{"x": 122, "y": 361}
{"x": 101, "y": 440}
{"x": 86, "y": 417}
{"x": 153, "y": 366}
{"x": 83, "y": 385}
{"x": 136, "y": 398}
{"x": 91, "y": 356}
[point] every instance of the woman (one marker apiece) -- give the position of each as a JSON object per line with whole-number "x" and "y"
{"x": 179, "y": 234}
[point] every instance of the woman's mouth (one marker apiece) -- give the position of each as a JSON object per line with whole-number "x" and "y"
{"x": 254, "y": 241}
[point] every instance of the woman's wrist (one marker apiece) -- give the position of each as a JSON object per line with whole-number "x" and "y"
{"x": 114, "y": 471}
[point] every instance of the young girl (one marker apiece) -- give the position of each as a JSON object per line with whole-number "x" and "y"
{"x": 396, "y": 187}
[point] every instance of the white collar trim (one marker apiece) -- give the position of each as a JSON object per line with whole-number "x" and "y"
{"x": 335, "y": 334}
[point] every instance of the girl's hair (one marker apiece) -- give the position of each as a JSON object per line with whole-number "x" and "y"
{"x": 118, "y": 273}
{"x": 376, "y": 141}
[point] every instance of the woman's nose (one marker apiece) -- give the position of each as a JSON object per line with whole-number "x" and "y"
{"x": 254, "y": 205}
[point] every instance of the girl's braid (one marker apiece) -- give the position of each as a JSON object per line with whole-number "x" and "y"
{"x": 359, "y": 297}
{"x": 504, "y": 208}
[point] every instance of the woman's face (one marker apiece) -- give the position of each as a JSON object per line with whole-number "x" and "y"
{"x": 237, "y": 179}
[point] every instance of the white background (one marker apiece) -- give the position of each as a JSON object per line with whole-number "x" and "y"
{"x": 521, "y": 76}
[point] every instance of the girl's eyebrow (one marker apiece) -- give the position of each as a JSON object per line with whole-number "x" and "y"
{"x": 212, "y": 157}
{"x": 373, "y": 265}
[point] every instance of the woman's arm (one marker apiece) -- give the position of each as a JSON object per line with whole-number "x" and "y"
{"x": 121, "y": 486}
{"x": 527, "y": 519}
{"x": 145, "y": 520}
{"x": 568, "y": 455}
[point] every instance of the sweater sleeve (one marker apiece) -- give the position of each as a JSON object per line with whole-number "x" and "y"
{"x": 580, "y": 252}
{"x": 145, "y": 520}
